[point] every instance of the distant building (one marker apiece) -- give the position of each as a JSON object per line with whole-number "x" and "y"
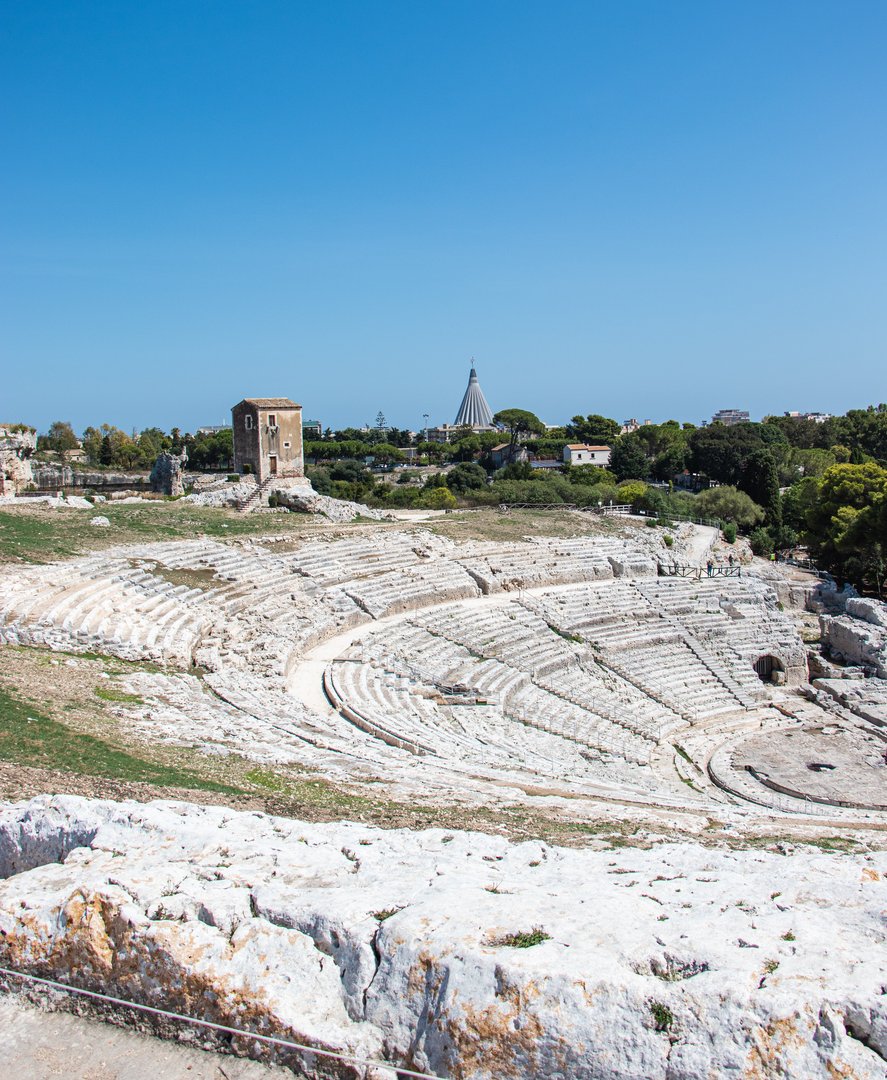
{"x": 213, "y": 429}
{"x": 730, "y": 417}
{"x": 268, "y": 438}
{"x": 311, "y": 429}
{"x": 628, "y": 426}
{"x": 499, "y": 455}
{"x": 816, "y": 417}
{"x": 474, "y": 415}
{"x": 581, "y": 454}
{"x": 474, "y": 412}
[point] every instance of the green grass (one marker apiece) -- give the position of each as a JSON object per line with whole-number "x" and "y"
{"x": 524, "y": 939}
{"x": 108, "y": 693}
{"x": 27, "y": 737}
{"x": 683, "y": 753}
{"x": 317, "y": 792}
{"x": 38, "y": 534}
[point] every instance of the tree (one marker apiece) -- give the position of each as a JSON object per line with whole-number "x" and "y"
{"x": 628, "y": 459}
{"x": 466, "y": 477}
{"x": 847, "y": 523}
{"x": 594, "y": 429}
{"x": 759, "y": 480}
{"x": 518, "y": 423}
{"x": 728, "y": 504}
{"x": 465, "y": 448}
{"x": 60, "y": 438}
{"x": 590, "y": 475}
{"x": 719, "y": 451}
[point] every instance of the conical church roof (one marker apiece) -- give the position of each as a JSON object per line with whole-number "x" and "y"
{"x": 474, "y": 410}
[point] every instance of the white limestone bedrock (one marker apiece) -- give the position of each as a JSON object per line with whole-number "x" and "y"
{"x": 269, "y": 922}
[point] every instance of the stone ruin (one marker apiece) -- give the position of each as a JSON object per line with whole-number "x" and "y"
{"x": 17, "y": 444}
{"x": 166, "y": 476}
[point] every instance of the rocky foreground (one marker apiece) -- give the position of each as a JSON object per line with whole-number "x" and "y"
{"x": 459, "y": 954}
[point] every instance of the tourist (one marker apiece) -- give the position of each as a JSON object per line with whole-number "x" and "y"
{"x": 709, "y": 567}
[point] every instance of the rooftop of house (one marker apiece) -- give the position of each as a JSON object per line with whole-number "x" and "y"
{"x": 270, "y": 403}
{"x": 584, "y": 446}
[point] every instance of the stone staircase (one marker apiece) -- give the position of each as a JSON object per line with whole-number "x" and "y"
{"x": 255, "y": 497}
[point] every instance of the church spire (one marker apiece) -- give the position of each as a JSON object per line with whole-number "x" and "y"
{"x": 474, "y": 410}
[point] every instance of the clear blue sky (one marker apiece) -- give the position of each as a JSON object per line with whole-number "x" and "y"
{"x": 640, "y": 209}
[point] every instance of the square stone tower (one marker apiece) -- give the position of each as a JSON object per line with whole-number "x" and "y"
{"x": 268, "y": 438}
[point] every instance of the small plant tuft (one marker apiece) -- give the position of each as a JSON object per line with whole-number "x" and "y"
{"x": 524, "y": 939}
{"x": 770, "y": 966}
{"x": 385, "y": 913}
{"x": 788, "y": 936}
{"x": 663, "y": 1017}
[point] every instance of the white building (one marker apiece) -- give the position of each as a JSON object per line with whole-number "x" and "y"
{"x": 581, "y": 454}
{"x": 731, "y": 417}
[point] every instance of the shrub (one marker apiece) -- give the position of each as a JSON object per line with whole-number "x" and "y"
{"x": 652, "y": 523}
{"x": 232, "y": 478}
{"x": 437, "y": 499}
{"x": 729, "y": 531}
{"x": 668, "y": 540}
{"x": 632, "y": 491}
{"x": 730, "y": 505}
{"x": 761, "y": 542}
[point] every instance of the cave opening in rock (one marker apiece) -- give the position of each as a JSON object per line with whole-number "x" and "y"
{"x": 770, "y": 669}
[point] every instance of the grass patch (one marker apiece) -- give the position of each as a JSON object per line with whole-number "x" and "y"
{"x": 40, "y": 534}
{"x": 318, "y": 793}
{"x": 683, "y": 753}
{"x": 564, "y": 634}
{"x": 29, "y": 738}
{"x": 524, "y": 939}
{"x": 108, "y": 693}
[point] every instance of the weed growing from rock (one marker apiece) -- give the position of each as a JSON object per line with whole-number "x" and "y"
{"x": 524, "y": 939}
{"x": 663, "y": 1017}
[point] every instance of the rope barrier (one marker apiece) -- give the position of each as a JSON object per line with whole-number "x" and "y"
{"x": 273, "y": 1039}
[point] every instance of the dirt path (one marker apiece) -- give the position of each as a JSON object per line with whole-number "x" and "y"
{"x": 47, "y": 1045}
{"x": 700, "y": 544}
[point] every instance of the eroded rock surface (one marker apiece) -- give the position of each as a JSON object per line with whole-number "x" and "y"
{"x": 676, "y": 962}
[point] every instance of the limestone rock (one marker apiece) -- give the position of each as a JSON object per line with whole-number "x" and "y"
{"x": 17, "y": 446}
{"x": 307, "y": 500}
{"x": 857, "y": 639}
{"x": 100, "y": 520}
{"x": 166, "y": 476}
{"x": 678, "y": 962}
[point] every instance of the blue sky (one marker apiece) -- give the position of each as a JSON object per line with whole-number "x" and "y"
{"x": 640, "y": 209}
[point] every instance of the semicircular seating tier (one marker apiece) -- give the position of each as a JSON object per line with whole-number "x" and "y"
{"x": 562, "y": 658}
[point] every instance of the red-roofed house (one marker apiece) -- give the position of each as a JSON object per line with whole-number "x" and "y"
{"x": 581, "y": 454}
